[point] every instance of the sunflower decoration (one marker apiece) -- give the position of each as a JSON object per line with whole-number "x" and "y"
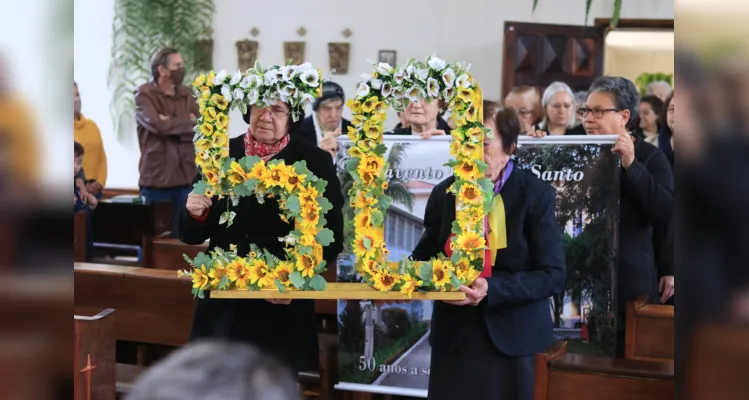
{"x": 432, "y": 79}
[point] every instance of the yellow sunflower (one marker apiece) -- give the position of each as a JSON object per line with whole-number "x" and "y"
{"x": 219, "y": 101}
{"x": 294, "y": 182}
{"x": 440, "y": 273}
{"x": 219, "y": 140}
{"x": 211, "y": 176}
{"x": 217, "y": 273}
{"x": 475, "y": 134}
{"x": 363, "y": 220}
{"x": 219, "y": 156}
{"x": 282, "y": 273}
{"x": 410, "y": 284}
{"x": 372, "y": 129}
{"x": 200, "y": 278}
{"x": 236, "y": 174}
{"x": 222, "y": 121}
{"x": 357, "y": 120}
{"x": 258, "y": 171}
{"x": 310, "y": 216}
{"x": 354, "y": 105}
{"x": 469, "y": 194}
{"x": 373, "y": 163}
{"x": 462, "y": 267}
{"x": 308, "y": 194}
{"x": 384, "y": 280}
{"x": 209, "y": 115}
{"x": 364, "y": 202}
{"x": 370, "y": 104}
{"x": 368, "y": 265}
{"x": 467, "y": 170}
{"x": 277, "y": 175}
{"x": 366, "y": 242}
{"x": 472, "y": 150}
{"x": 305, "y": 264}
{"x": 238, "y": 272}
{"x": 206, "y": 129}
{"x": 470, "y": 242}
{"x": 471, "y": 114}
{"x": 352, "y": 133}
{"x": 259, "y": 274}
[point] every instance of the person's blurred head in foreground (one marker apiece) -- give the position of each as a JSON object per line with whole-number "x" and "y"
{"x": 215, "y": 370}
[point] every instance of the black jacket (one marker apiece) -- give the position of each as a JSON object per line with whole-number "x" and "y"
{"x": 441, "y": 124}
{"x": 647, "y": 202}
{"x": 286, "y": 331}
{"x": 527, "y": 272}
{"x": 307, "y": 132}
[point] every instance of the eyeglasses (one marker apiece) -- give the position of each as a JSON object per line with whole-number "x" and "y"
{"x": 277, "y": 112}
{"x": 670, "y": 109}
{"x": 597, "y": 112}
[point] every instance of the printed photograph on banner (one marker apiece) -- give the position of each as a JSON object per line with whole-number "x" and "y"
{"x": 586, "y": 177}
{"x": 387, "y": 344}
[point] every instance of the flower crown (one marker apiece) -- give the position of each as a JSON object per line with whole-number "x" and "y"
{"x": 430, "y": 79}
{"x": 296, "y": 85}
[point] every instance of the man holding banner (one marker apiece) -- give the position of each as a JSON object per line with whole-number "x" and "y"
{"x": 483, "y": 346}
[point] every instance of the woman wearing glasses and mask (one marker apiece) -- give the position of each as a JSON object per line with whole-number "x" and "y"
{"x": 286, "y": 329}
{"x": 647, "y": 195}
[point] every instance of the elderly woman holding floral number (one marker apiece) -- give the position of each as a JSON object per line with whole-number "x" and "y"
{"x": 276, "y": 99}
{"x": 647, "y": 196}
{"x": 483, "y": 346}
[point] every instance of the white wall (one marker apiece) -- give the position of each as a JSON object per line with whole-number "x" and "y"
{"x": 471, "y": 30}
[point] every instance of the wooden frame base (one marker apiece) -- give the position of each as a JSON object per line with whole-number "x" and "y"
{"x": 336, "y": 291}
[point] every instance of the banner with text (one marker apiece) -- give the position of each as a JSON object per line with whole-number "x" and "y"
{"x": 384, "y": 347}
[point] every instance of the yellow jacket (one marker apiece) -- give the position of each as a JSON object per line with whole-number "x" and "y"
{"x": 94, "y": 158}
{"x": 19, "y": 141}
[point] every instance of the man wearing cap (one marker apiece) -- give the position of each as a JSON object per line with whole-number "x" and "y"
{"x": 323, "y": 127}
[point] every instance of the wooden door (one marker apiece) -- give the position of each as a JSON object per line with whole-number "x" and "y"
{"x": 539, "y": 54}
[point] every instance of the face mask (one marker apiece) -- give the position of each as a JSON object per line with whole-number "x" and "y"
{"x": 76, "y": 106}
{"x": 178, "y": 75}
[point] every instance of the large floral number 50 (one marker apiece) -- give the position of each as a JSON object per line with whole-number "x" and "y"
{"x": 431, "y": 80}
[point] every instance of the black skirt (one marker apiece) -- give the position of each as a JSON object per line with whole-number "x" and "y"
{"x": 476, "y": 369}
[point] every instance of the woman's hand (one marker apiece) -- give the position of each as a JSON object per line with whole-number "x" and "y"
{"x": 474, "y": 293}
{"x": 431, "y": 132}
{"x": 537, "y": 134}
{"x": 91, "y": 201}
{"x": 94, "y": 187}
{"x": 626, "y": 147}
{"x": 197, "y": 204}
{"x": 329, "y": 142}
{"x": 666, "y": 287}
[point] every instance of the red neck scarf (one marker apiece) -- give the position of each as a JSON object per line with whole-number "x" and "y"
{"x": 265, "y": 151}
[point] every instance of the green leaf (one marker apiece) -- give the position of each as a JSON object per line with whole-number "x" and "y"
{"x": 243, "y": 108}
{"x": 224, "y": 282}
{"x": 296, "y": 279}
{"x": 250, "y": 185}
{"x": 292, "y": 204}
{"x": 201, "y": 294}
{"x": 425, "y": 272}
{"x": 280, "y": 287}
{"x": 456, "y": 229}
{"x": 300, "y": 167}
{"x": 325, "y": 204}
{"x": 268, "y": 258}
{"x": 457, "y": 255}
{"x": 352, "y": 164}
{"x": 380, "y": 149}
{"x": 377, "y": 218}
{"x": 199, "y": 188}
{"x": 304, "y": 250}
{"x": 320, "y": 268}
{"x": 317, "y": 283}
{"x": 320, "y": 185}
{"x": 385, "y": 203}
{"x": 249, "y": 162}
{"x": 202, "y": 259}
{"x": 227, "y": 216}
{"x": 242, "y": 190}
{"x": 535, "y": 4}
{"x": 455, "y": 281}
{"x": 325, "y": 237}
{"x": 367, "y": 243}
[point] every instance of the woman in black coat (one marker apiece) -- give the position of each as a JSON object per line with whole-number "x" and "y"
{"x": 483, "y": 347}
{"x": 282, "y": 328}
{"x": 647, "y": 195}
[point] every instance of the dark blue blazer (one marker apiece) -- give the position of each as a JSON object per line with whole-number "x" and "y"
{"x": 516, "y": 310}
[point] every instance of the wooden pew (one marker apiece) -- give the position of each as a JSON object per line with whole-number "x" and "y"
{"x": 649, "y": 331}
{"x": 153, "y": 306}
{"x": 718, "y": 362}
{"x": 79, "y": 236}
{"x": 108, "y": 193}
{"x": 123, "y": 228}
{"x": 94, "y": 354}
{"x": 562, "y": 376}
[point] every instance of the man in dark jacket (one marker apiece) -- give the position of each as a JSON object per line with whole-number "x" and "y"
{"x": 326, "y": 123}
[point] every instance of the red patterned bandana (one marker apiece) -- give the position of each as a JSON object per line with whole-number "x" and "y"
{"x": 265, "y": 151}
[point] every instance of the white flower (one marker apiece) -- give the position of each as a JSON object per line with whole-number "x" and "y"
{"x": 258, "y": 81}
{"x": 463, "y": 81}
{"x": 398, "y": 93}
{"x": 448, "y": 77}
{"x": 376, "y": 84}
{"x": 238, "y": 94}
{"x": 307, "y": 99}
{"x": 246, "y": 82}
{"x": 422, "y": 74}
{"x": 436, "y": 63}
{"x": 304, "y": 68}
{"x": 220, "y": 77}
{"x": 270, "y": 78}
{"x": 399, "y": 76}
{"x": 384, "y": 69}
{"x": 448, "y": 93}
{"x": 253, "y": 96}
{"x": 387, "y": 89}
{"x": 433, "y": 88}
{"x": 414, "y": 94}
{"x": 410, "y": 70}
{"x": 287, "y": 92}
{"x": 311, "y": 78}
{"x": 365, "y": 77}
{"x": 269, "y": 98}
{"x": 362, "y": 90}
{"x": 226, "y": 92}
{"x": 236, "y": 78}
{"x": 287, "y": 72}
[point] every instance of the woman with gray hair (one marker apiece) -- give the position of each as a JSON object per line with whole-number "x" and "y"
{"x": 558, "y": 103}
{"x": 647, "y": 195}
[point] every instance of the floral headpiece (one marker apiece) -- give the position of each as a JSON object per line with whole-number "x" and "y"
{"x": 296, "y": 85}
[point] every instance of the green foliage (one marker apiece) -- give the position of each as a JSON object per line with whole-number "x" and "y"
{"x": 324, "y": 237}
{"x": 142, "y": 27}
